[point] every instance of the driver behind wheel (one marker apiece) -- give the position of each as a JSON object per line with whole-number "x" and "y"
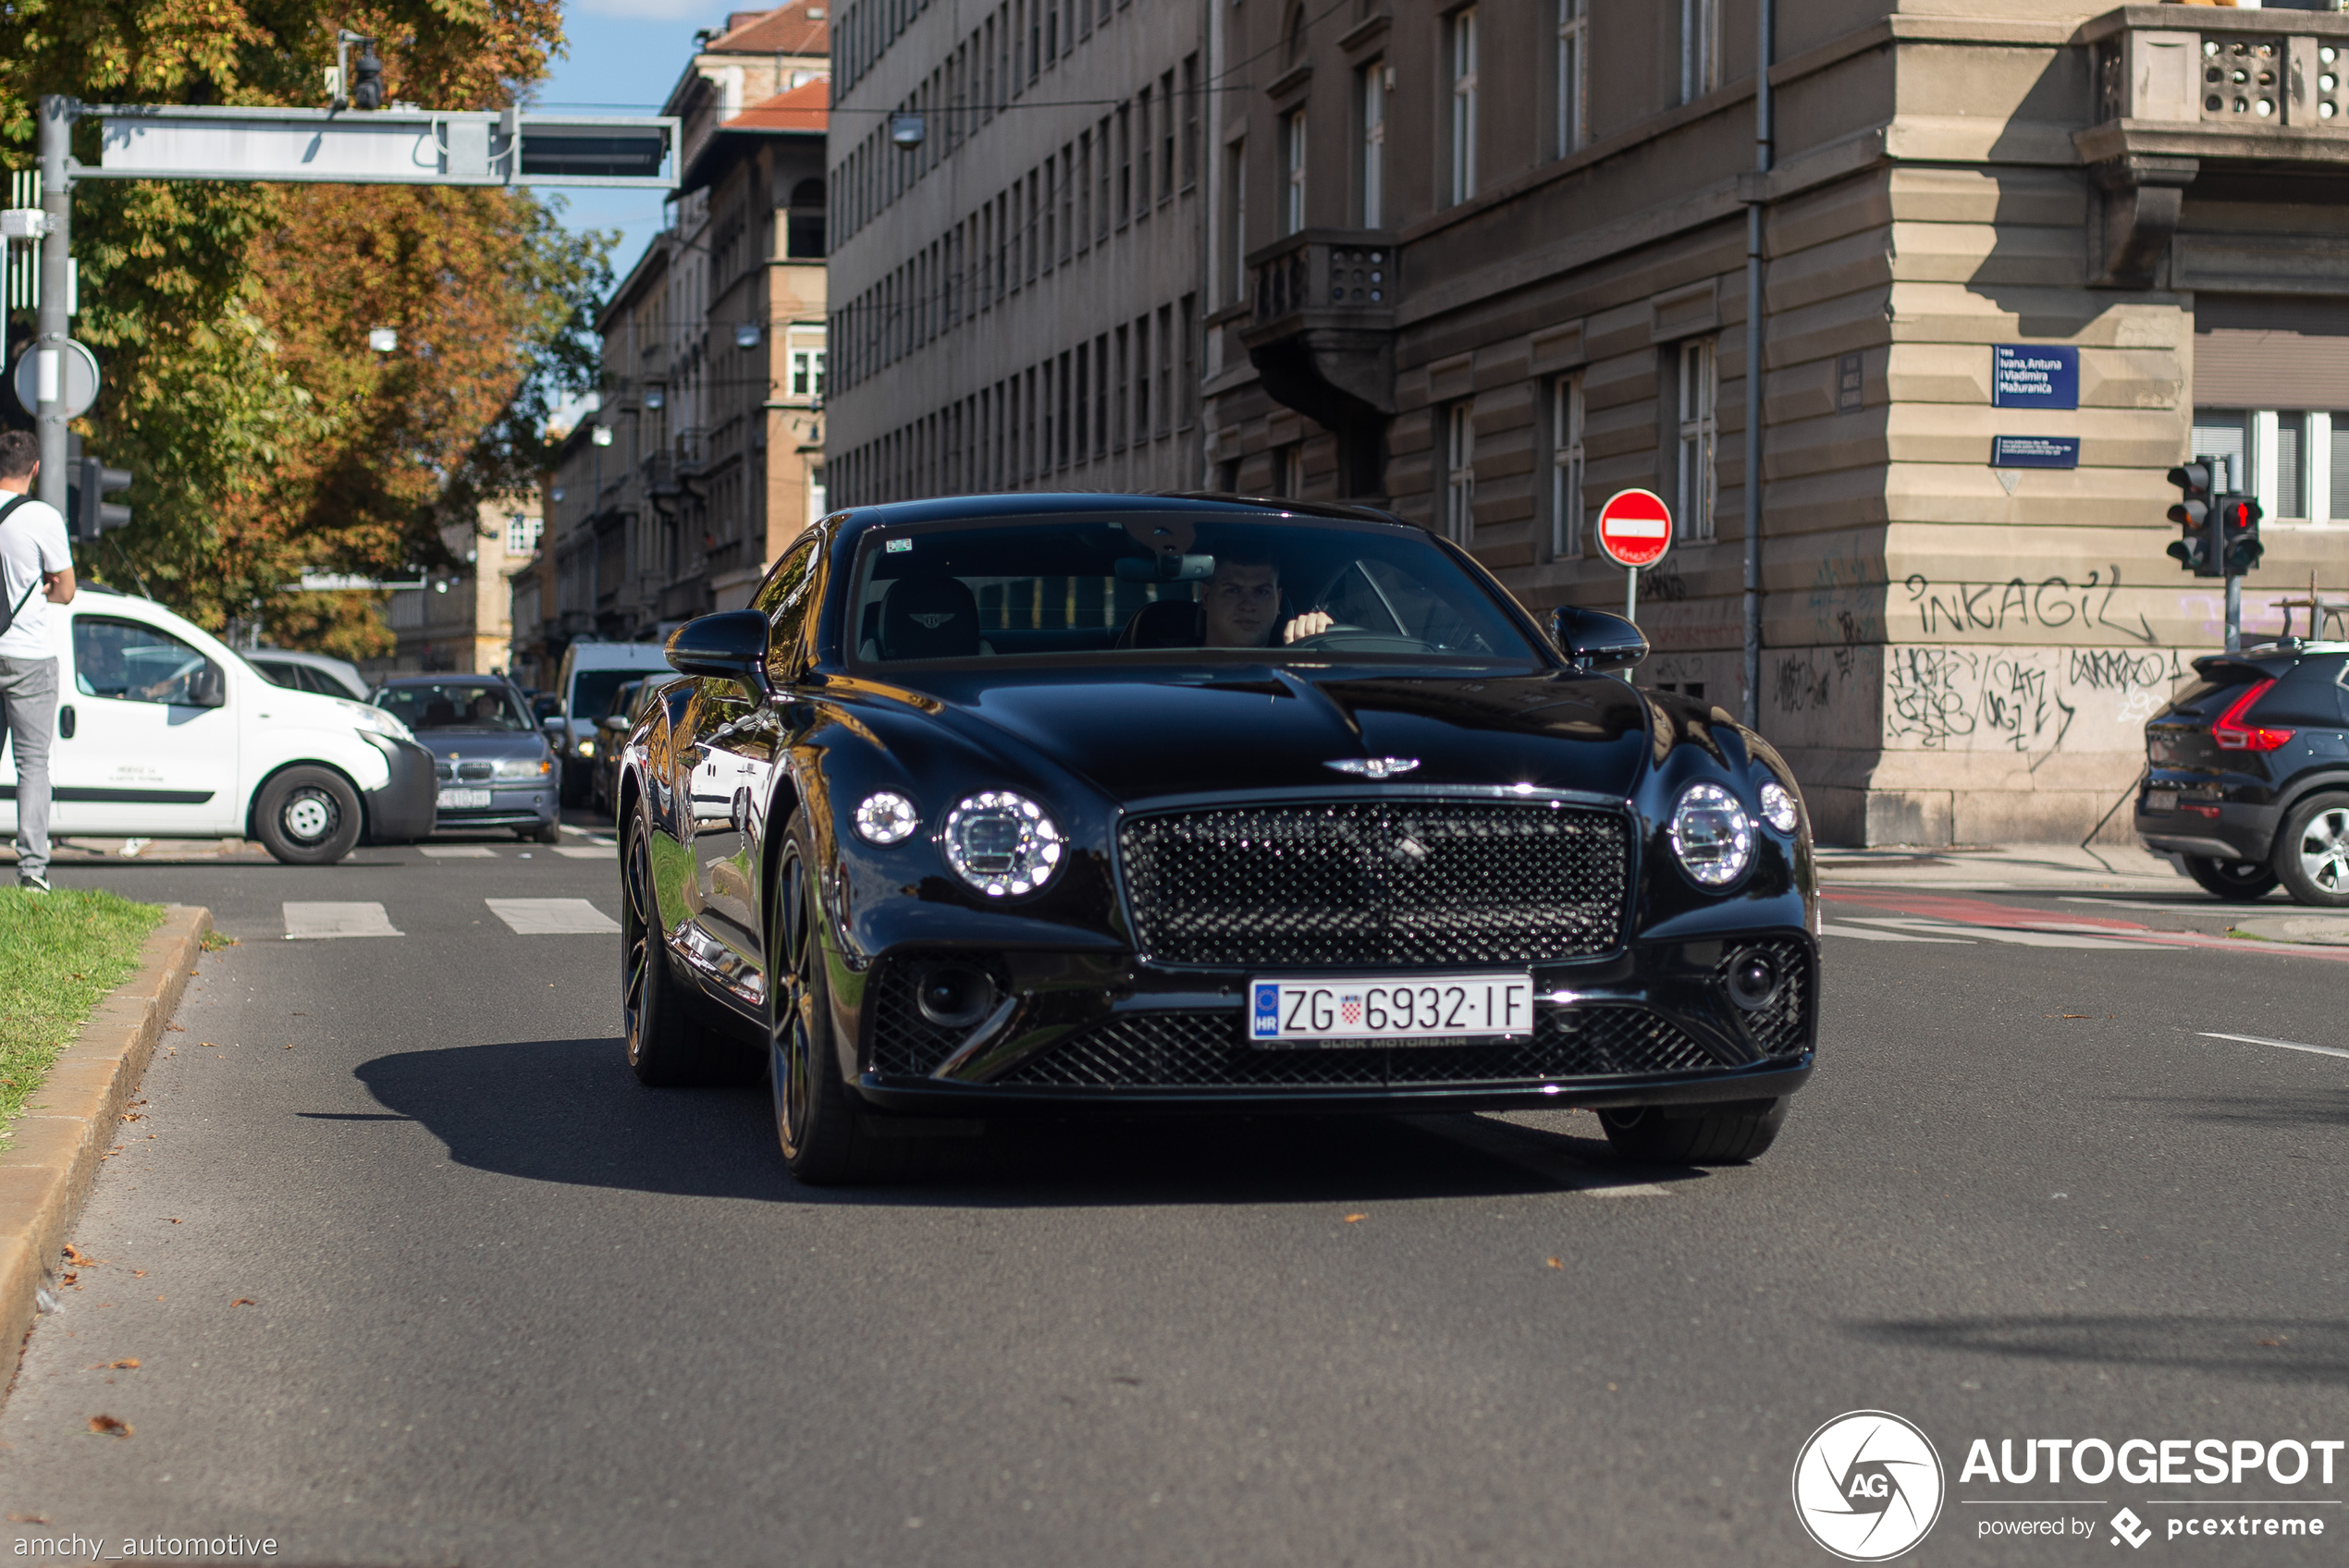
{"x": 1242, "y": 602}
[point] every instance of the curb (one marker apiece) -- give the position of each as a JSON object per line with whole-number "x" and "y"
{"x": 47, "y": 1172}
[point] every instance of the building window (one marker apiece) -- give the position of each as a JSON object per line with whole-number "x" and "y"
{"x": 1371, "y": 91}
{"x": 1289, "y": 472}
{"x": 2294, "y": 462}
{"x": 1700, "y": 47}
{"x": 522, "y": 532}
{"x": 1699, "y": 385}
{"x": 1125, "y": 161}
{"x": 1565, "y": 467}
{"x": 1190, "y": 121}
{"x": 807, "y": 373}
{"x": 1293, "y": 157}
{"x": 1236, "y": 157}
{"x": 1165, "y": 369}
{"x": 1142, "y": 153}
{"x": 1573, "y": 75}
{"x": 1166, "y": 135}
{"x": 1464, "y": 104}
{"x": 1459, "y": 473}
{"x": 1141, "y": 379}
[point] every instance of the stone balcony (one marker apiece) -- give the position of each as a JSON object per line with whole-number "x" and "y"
{"x": 1320, "y": 333}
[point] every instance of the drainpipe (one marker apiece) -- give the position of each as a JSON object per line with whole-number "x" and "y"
{"x": 1765, "y": 133}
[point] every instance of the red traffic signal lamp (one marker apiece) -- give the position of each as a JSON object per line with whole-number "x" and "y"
{"x": 2197, "y": 513}
{"x": 2239, "y": 546}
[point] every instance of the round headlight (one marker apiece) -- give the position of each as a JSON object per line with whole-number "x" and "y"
{"x": 1002, "y": 843}
{"x": 1712, "y": 837}
{"x": 886, "y": 817}
{"x": 1779, "y": 808}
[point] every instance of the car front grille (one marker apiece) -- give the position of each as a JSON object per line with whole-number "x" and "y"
{"x": 1397, "y": 881}
{"x": 471, "y": 772}
{"x": 903, "y": 1041}
{"x": 1783, "y": 1027}
{"x": 1204, "y": 1050}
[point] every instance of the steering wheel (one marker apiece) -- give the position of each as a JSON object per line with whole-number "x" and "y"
{"x": 1335, "y": 629}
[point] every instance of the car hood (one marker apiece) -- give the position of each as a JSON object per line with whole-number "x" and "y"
{"x": 1180, "y": 731}
{"x": 449, "y": 745}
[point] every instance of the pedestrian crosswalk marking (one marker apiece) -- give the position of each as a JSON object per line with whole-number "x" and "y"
{"x": 553, "y": 917}
{"x": 458, "y": 851}
{"x": 318, "y": 921}
{"x": 1994, "y": 933}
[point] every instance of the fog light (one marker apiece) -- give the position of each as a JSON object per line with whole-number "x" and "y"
{"x": 953, "y": 995}
{"x": 1779, "y": 808}
{"x": 1755, "y": 981}
{"x": 886, "y": 817}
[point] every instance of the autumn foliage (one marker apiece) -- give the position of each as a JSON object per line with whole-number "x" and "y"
{"x": 231, "y": 320}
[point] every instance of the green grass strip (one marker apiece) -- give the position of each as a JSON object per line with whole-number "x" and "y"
{"x": 60, "y": 954}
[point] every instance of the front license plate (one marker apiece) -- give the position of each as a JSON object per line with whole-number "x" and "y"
{"x": 1417, "y": 1008}
{"x": 2161, "y": 799}
{"x": 463, "y": 799}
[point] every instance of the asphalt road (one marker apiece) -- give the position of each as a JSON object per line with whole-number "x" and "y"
{"x": 506, "y": 1308}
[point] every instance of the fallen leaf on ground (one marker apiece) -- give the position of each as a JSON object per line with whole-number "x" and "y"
{"x": 138, "y": 1273}
{"x": 126, "y": 1364}
{"x": 177, "y": 1028}
{"x": 75, "y": 1254}
{"x": 2272, "y": 1343}
{"x": 68, "y": 1277}
{"x": 174, "y": 1222}
{"x": 1352, "y": 1217}
{"x": 1555, "y": 1264}
{"x": 241, "y": 1301}
{"x": 109, "y": 1425}
{"x": 28, "y": 1518}
{"x": 206, "y": 1045}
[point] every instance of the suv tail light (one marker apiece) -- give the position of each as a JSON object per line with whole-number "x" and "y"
{"x": 2233, "y": 735}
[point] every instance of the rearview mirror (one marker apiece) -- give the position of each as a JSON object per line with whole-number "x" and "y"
{"x": 731, "y": 645}
{"x": 1594, "y": 640}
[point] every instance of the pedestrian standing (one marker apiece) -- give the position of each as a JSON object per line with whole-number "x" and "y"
{"x": 36, "y": 571}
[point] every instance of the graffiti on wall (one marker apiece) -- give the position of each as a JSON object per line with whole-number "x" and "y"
{"x": 1947, "y": 610}
{"x": 2025, "y": 700}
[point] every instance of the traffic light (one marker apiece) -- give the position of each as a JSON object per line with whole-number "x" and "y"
{"x": 2239, "y": 534}
{"x": 86, "y": 500}
{"x": 2196, "y": 512}
{"x": 367, "y": 78}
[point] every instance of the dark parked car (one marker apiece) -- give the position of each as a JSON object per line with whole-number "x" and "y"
{"x": 1085, "y": 802}
{"x": 628, "y": 705}
{"x": 2247, "y": 774}
{"x": 496, "y": 769}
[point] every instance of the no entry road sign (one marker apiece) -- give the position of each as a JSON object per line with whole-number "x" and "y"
{"x": 1635, "y": 528}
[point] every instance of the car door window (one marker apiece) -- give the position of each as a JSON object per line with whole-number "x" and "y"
{"x": 789, "y": 599}
{"x": 131, "y": 662}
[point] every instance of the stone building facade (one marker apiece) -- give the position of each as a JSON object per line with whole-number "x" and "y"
{"x": 460, "y": 620}
{"x": 1018, "y": 205}
{"x": 1488, "y": 264}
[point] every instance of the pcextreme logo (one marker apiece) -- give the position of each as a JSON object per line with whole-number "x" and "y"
{"x": 1868, "y": 1485}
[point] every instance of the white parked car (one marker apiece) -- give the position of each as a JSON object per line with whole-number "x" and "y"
{"x": 164, "y": 732}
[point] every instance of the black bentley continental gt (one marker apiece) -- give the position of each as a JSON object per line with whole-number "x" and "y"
{"x": 1059, "y": 804}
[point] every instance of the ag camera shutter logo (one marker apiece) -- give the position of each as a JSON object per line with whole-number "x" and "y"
{"x": 1868, "y": 1485}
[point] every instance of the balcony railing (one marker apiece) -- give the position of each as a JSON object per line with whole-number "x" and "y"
{"x": 1348, "y": 271}
{"x": 2278, "y": 72}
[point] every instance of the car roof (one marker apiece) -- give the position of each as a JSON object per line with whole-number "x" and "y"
{"x": 1195, "y": 503}
{"x": 466, "y": 678}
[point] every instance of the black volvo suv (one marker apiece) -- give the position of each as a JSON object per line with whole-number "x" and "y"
{"x": 2247, "y": 774}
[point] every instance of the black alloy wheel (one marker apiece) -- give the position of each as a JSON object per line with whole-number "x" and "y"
{"x": 1729, "y": 1133}
{"x": 664, "y": 1050}
{"x": 826, "y": 1141}
{"x": 2237, "y": 881}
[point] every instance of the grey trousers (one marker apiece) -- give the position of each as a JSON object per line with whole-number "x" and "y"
{"x": 29, "y": 695}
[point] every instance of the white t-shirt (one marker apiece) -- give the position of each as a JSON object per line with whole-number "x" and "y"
{"x": 32, "y": 541}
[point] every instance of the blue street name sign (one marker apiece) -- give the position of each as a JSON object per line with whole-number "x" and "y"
{"x": 2034, "y": 451}
{"x": 2034, "y": 376}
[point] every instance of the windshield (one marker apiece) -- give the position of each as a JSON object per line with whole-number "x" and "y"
{"x": 1144, "y": 582}
{"x": 454, "y": 704}
{"x": 592, "y": 691}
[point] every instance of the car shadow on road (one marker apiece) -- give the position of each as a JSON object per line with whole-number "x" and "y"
{"x": 569, "y": 1111}
{"x": 2294, "y": 1108}
{"x": 2266, "y": 1350}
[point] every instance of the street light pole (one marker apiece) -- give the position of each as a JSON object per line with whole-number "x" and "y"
{"x": 56, "y": 250}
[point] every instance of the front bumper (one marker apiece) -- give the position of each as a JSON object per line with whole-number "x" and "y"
{"x": 530, "y": 804}
{"x": 1650, "y": 1025}
{"x": 404, "y": 811}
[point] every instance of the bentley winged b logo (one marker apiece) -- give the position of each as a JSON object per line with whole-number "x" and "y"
{"x": 1373, "y": 767}
{"x": 933, "y": 620}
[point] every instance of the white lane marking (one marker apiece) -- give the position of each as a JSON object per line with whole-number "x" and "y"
{"x": 318, "y": 922}
{"x": 553, "y": 917}
{"x": 1630, "y": 1189}
{"x": 2286, "y": 1045}
{"x": 2000, "y": 934}
{"x": 587, "y": 852}
{"x": 458, "y": 851}
{"x": 1833, "y": 928}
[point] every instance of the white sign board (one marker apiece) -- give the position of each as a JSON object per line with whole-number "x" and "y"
{"x": 386, "y": 147}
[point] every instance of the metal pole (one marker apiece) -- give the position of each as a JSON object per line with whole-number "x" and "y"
{"x": 2234, "y": 615}
{"x": 56, "y": 247}
{"x": 1631, "y": 595}
{"x": 1764, "y": 139}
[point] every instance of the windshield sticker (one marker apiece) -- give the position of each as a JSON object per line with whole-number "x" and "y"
{"x": 898, "y": 546}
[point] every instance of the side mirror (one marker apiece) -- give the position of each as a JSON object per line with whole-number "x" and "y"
{"x": 730, "y": 645}
{"x": 208, "y": 688}
{"x": 617, "y": 723}
{"x": 1594, "y": 640}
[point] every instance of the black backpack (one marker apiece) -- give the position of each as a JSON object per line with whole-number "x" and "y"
{"x": 9, "y": 611}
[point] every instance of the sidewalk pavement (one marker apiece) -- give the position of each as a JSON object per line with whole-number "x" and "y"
{"x": 2009, "y": 867}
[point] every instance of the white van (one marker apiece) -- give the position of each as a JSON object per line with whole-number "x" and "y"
{"x": 164, "y": 732}
{"x": 592, "y": 672}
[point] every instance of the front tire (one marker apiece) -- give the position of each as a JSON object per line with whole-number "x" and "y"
{"x": 2312, "y": 852}
{"x": 2237, "y": 881}
{"x": 826, "y": 1140}
{"x": 308, "y": 816}
{"x": 1724, "y": 1134}
{"x": 664, "y": 1050}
